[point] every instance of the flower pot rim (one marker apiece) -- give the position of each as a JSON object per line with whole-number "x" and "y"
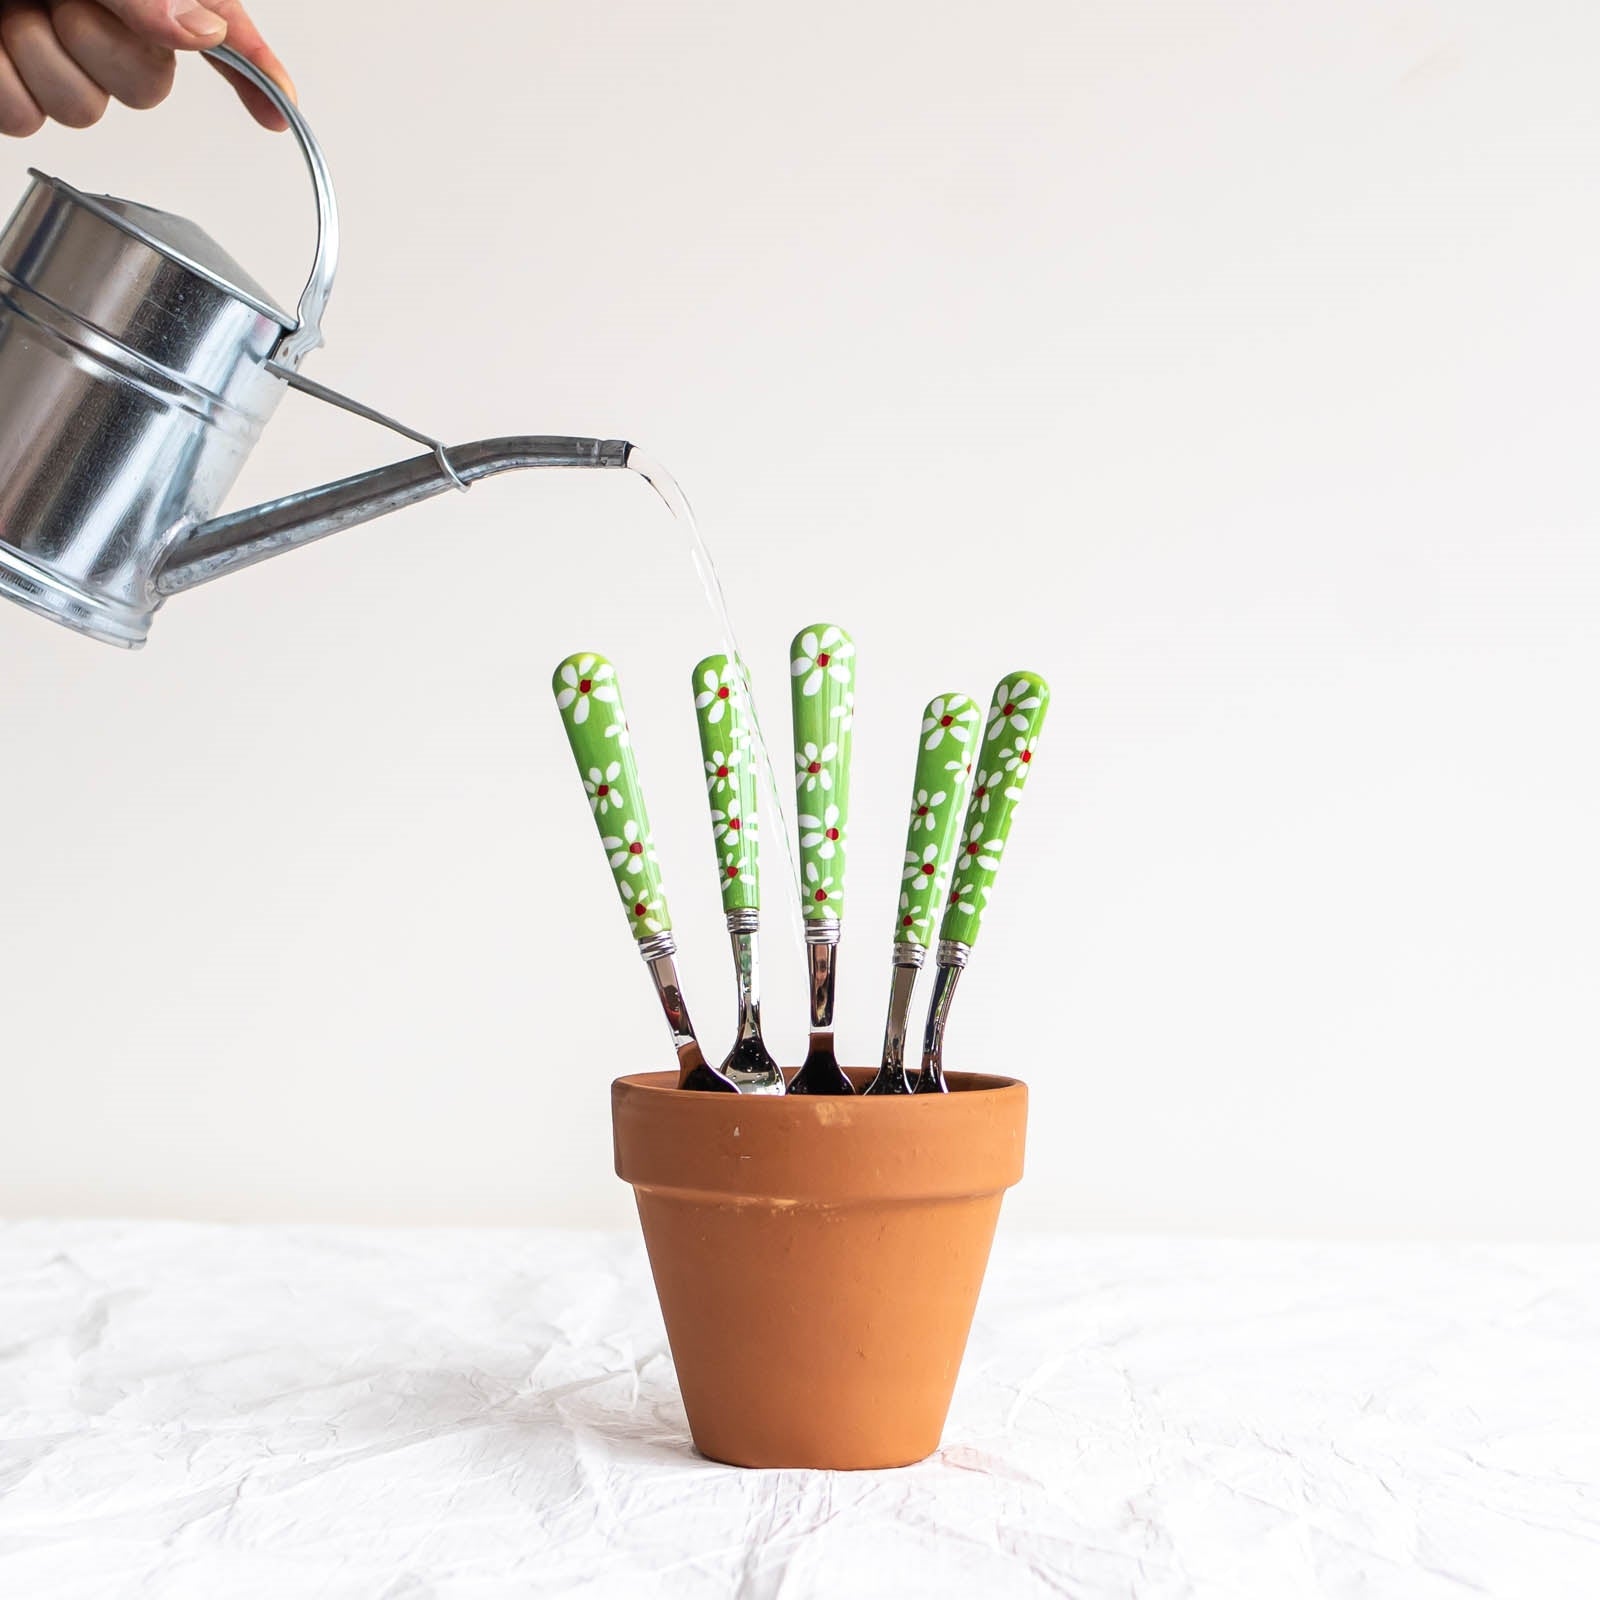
{"x": 961, "y": 1083}
{"x": 829, "y": 1150}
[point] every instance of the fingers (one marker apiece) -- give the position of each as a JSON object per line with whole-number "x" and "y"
{"x": 190, "y": 25}
{"x": 177, "y": 24}
{"x": 62, "y": 58}
{"x": 19, "y": 111}
{"x": 245, "y": 37}
{"x": 131, "y": 69}
{"x": 58, "y": 86}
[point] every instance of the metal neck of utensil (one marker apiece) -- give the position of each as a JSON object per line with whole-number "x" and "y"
{"x": 903, "y": 983}
{"x": 953, "y": 958}
{"x": 658, "y": 951}
{"x": 822, "y": 943}
{"x": 742, "y": 929}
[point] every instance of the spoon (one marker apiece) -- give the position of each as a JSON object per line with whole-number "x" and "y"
{"x": 590, "y": 702}
{"x": 721, "y": 707}
{"x": 1003, "y": 760}
{"x": 938, "y": 801}
{"x": 822, "y": 670}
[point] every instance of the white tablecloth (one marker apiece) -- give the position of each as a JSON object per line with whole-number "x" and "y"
{"x": 202, "y": 1413}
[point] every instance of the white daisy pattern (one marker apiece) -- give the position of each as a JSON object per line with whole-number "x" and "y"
{"x": 964, "y": 897}
{"x": 822, "y": 898}
{"x": 976, "y": 851}
{"x": 913, "y": 916}
{"x": 1018, "y": 759}
{"x": 728, "y": 826}
{"x": 811, "y": 766}
{"x": 646, "y": 906}
{"x": 925, "y": 808}
{"x": 717, "y": 690}
{"x": 950, "y": 717}
{"x": 824, "y": 834}
{"x": 1019, "y": 756}
{"x": 604, "y": 792}
{"x": 1012, "y": 703}
{"x": 921, "y": 870}
{"x": 822, "y": 653}
{"x": 983, "y": 787}
{"x": 631, "y": 851}
{"x": 583, "y": 679}
{"x": 722, "y": 771}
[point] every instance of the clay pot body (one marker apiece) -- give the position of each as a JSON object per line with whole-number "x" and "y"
{"x": 818, "y": 1259}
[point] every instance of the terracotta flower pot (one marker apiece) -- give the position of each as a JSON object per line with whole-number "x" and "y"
{"x": 818, "y": 1259}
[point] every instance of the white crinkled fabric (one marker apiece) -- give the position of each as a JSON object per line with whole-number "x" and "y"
{"x": 198, "y": 1412}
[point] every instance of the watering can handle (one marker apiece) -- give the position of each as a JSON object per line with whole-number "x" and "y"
{"x": 307, "y": 334}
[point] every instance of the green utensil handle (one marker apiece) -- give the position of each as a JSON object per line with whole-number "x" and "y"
{"x": 722, "y": 713}
{"x": 1002, "y": 763}
{"x": 590, "y": 701}
{"x": 952, "y": 725}
{"x": 822, "y": 670}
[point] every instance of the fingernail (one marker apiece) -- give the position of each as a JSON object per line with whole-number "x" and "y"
{"x": 205, "y": 25}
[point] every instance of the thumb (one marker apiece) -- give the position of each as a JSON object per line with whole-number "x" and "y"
{"x": 175, "y": 24}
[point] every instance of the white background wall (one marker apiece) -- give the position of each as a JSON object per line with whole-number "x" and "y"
{"x": 1233, "y": 364}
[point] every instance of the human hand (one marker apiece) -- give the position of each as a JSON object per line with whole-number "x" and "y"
{"x": 64, "y": 60}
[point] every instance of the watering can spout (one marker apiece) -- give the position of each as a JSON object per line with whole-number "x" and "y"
{"x": 242, "y": 538}
{"x": 139, "y": 364}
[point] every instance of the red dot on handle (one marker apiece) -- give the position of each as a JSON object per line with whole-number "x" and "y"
{"x": 816, "y": 766}
{"x": 603, "y": 790}
{"x": 946, "y": 720}
{"x": 733, "y": 824}
{"x": 927, "y": 869}
{"x": 722, "y": 693}
{"x": 585, "y": 685}
{"x": 820, "y": 896}
{"x": 1010, "y": 706}
{"x": 733, "y": 872}
{"x": 640, "y": 909}
{"x": 832, "y": 833}
{"x": 1027, "y": 756}
{"x": 922, "y": 811}
{"x": 822, "y": 660}
{"x": 635, "y": 849}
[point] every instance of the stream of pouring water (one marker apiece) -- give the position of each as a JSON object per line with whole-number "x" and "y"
{"x": 677, "y": 502}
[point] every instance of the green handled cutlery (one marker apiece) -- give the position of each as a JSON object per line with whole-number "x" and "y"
{"x": 722, "y": 713}
{"x": 590, "y": 701}
{"x": 822, "y": 690}
{"x": 950, "y": 729}
{"x": 1002, "y": 762}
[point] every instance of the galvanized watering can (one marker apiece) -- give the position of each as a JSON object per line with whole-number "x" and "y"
{"x": 138, "y": 365}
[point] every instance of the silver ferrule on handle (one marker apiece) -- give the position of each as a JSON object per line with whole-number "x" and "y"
{"x": 307, "y": 334}
{"x": 658, "y": 952}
